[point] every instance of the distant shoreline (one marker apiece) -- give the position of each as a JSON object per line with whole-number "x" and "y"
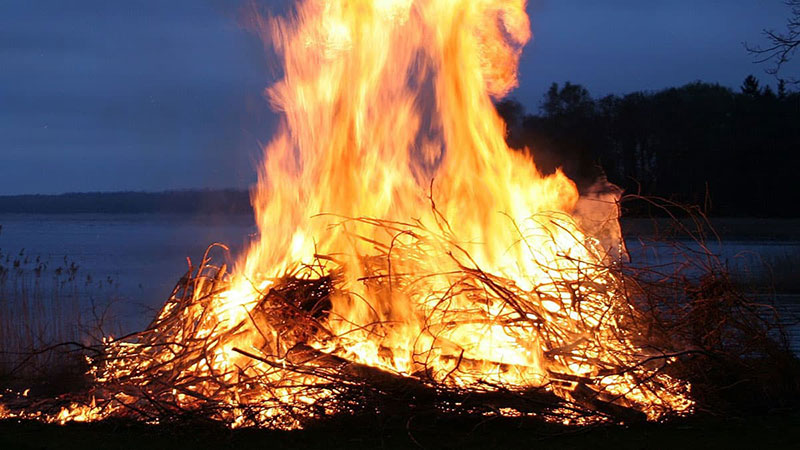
{"x": 237, "y": 202}
{"x": 190, "y": 202}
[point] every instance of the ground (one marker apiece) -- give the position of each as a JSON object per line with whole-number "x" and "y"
{"x": 773, "y": 432}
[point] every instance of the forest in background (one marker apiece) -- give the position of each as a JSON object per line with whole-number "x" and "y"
{"x": 731, "y": 152}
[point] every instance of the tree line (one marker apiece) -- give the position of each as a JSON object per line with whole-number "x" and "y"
{"x": 734, "y": 152}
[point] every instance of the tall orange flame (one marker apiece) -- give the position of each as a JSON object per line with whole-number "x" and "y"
{"x": 382, "y": 101}
{"x": 450, "y": 251}
{"x": 380, "y": 98}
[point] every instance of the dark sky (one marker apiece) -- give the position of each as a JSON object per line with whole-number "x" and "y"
{"x": 104, "y": 95}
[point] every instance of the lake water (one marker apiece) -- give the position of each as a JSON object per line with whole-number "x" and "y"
{"x": 136, "y": 258}
{"x": 144, "y": 255}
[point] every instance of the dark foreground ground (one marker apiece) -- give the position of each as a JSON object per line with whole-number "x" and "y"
{"x": 777, "y": 431}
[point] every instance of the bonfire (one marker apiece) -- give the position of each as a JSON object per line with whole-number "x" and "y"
{"x": 407, "y": 260}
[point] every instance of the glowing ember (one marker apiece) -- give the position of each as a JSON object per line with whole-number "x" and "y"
{"x": 401, "y": 241}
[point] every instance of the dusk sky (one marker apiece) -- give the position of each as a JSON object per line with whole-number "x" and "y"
{"x": 107, "y": 95}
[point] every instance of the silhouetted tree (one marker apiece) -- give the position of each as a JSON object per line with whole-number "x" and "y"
{"x": 739, "y": 146}
{"x": 751, "y": 86}
{"x": 572, "y": 99}
{"x": 782, "y": 88}
{"x": 512, "y": 113}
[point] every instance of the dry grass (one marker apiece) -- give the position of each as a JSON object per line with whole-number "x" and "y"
{"x": 46, "y": 324}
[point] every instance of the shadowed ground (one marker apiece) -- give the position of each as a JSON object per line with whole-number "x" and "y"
{"x": 776, "y": 431}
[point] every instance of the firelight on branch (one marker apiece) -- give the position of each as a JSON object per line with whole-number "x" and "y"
{"x": 407, "y": 257}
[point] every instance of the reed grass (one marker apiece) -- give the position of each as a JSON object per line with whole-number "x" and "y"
{"x": 49, "y": 315}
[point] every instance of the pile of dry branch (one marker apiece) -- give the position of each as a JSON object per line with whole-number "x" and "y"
{"x": 647, "y": 333}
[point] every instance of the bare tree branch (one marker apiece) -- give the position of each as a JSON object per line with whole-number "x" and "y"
{"x": 782, "y": 45}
